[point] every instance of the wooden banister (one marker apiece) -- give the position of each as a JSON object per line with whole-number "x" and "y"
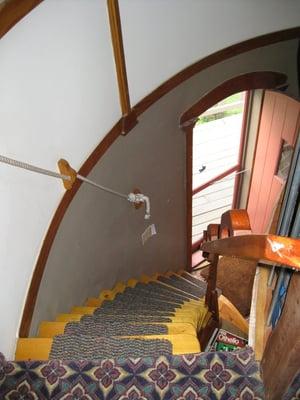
{"x": 268, "y": 248}
{"x": 234, "y": 223}
{"x": 231, "y": 238}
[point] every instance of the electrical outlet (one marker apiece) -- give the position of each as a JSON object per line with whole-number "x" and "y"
{"x": 149, "y": 231}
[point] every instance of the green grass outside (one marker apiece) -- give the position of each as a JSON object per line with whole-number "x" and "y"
{"x": 231, "y": 99}
{"x": 214, "y": 117}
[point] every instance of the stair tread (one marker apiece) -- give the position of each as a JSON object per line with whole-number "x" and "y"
{"x": 33, "y": 349}
{"x": 165, "y": 311}
{"x": 81, "y": 347}
{"x": 68, "y": 317}
{"x": 184, "y": 285}
{"x": 50, "y": 329}
{"x": 91, "y": 348}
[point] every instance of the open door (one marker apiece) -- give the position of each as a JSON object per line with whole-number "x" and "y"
{"x": 278, "y": 130}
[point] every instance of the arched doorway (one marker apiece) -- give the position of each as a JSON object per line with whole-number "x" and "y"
{"x": 245, "y": 82}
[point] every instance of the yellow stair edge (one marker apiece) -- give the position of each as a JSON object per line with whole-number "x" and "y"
{"x": 83, "y": 310}
{"x": 96, "y": 302}
{"x": 177, "y": 328}
{"x": 68, "y": 317}
{"x": 48, "y": 329}
{"x": 194, "y": 305}
{"x": 185, "y": 320}
{"x": 106, "y": 294}
{"x": 93, "y": 302}
{"x": 39, "y": 348}
{"x": 178, "y": 318}
{"x": 33, "y": 349}
{"x": 154, "y": 277}
{"x": 132, "y": 283}
{"x": 109, "y": 294}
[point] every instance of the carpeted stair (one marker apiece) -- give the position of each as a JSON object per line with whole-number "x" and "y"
{"x": 155, "y": 316}
{"x": 138, "y": 340}
{"x": 201, "y": 376}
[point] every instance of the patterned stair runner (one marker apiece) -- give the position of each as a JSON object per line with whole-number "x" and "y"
{"x": 93, "y": 328}
{"x": 81, "y": 347}
{"x": 206, "y": 376}
{"x": 135, "y": 323}
{"x": 136, "y": 341}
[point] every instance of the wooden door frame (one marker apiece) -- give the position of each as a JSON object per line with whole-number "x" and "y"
{"x": 245, "y": 82}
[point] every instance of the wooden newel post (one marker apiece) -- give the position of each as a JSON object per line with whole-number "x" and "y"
{"x": 211, "y": 299}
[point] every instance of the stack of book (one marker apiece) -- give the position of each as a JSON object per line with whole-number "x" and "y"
{"x": 223, "y": 340}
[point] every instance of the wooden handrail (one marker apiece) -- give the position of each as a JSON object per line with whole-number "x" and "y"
{"x": 232, "y": 238}
{"x": 269, "y": 248}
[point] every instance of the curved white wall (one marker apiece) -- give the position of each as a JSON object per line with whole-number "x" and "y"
{"x": 58, "y": 98}
{"x": 161, "y": 37}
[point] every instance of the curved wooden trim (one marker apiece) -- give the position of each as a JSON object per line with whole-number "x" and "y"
{"x": 212, "y": 59}
{"x": 240, "y": 83}
{"x": 13, "y": 11}
{"x": 140, "y": 107}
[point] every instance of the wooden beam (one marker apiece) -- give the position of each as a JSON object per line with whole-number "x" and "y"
{"x": 129, "y": 116}
{"x": 13, "y": 11}
{"x": 270, "y": 248}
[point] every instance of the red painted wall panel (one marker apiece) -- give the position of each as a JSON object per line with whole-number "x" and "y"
{"x": 279, "y": 121}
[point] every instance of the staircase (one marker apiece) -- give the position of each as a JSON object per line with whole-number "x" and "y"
{"x": 160, "y": 315}
{"x": 146, "y": 338}
{"x": 139, "y": 340}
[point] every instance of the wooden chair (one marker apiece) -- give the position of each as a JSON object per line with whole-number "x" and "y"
{"x": 233, "y": 238}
